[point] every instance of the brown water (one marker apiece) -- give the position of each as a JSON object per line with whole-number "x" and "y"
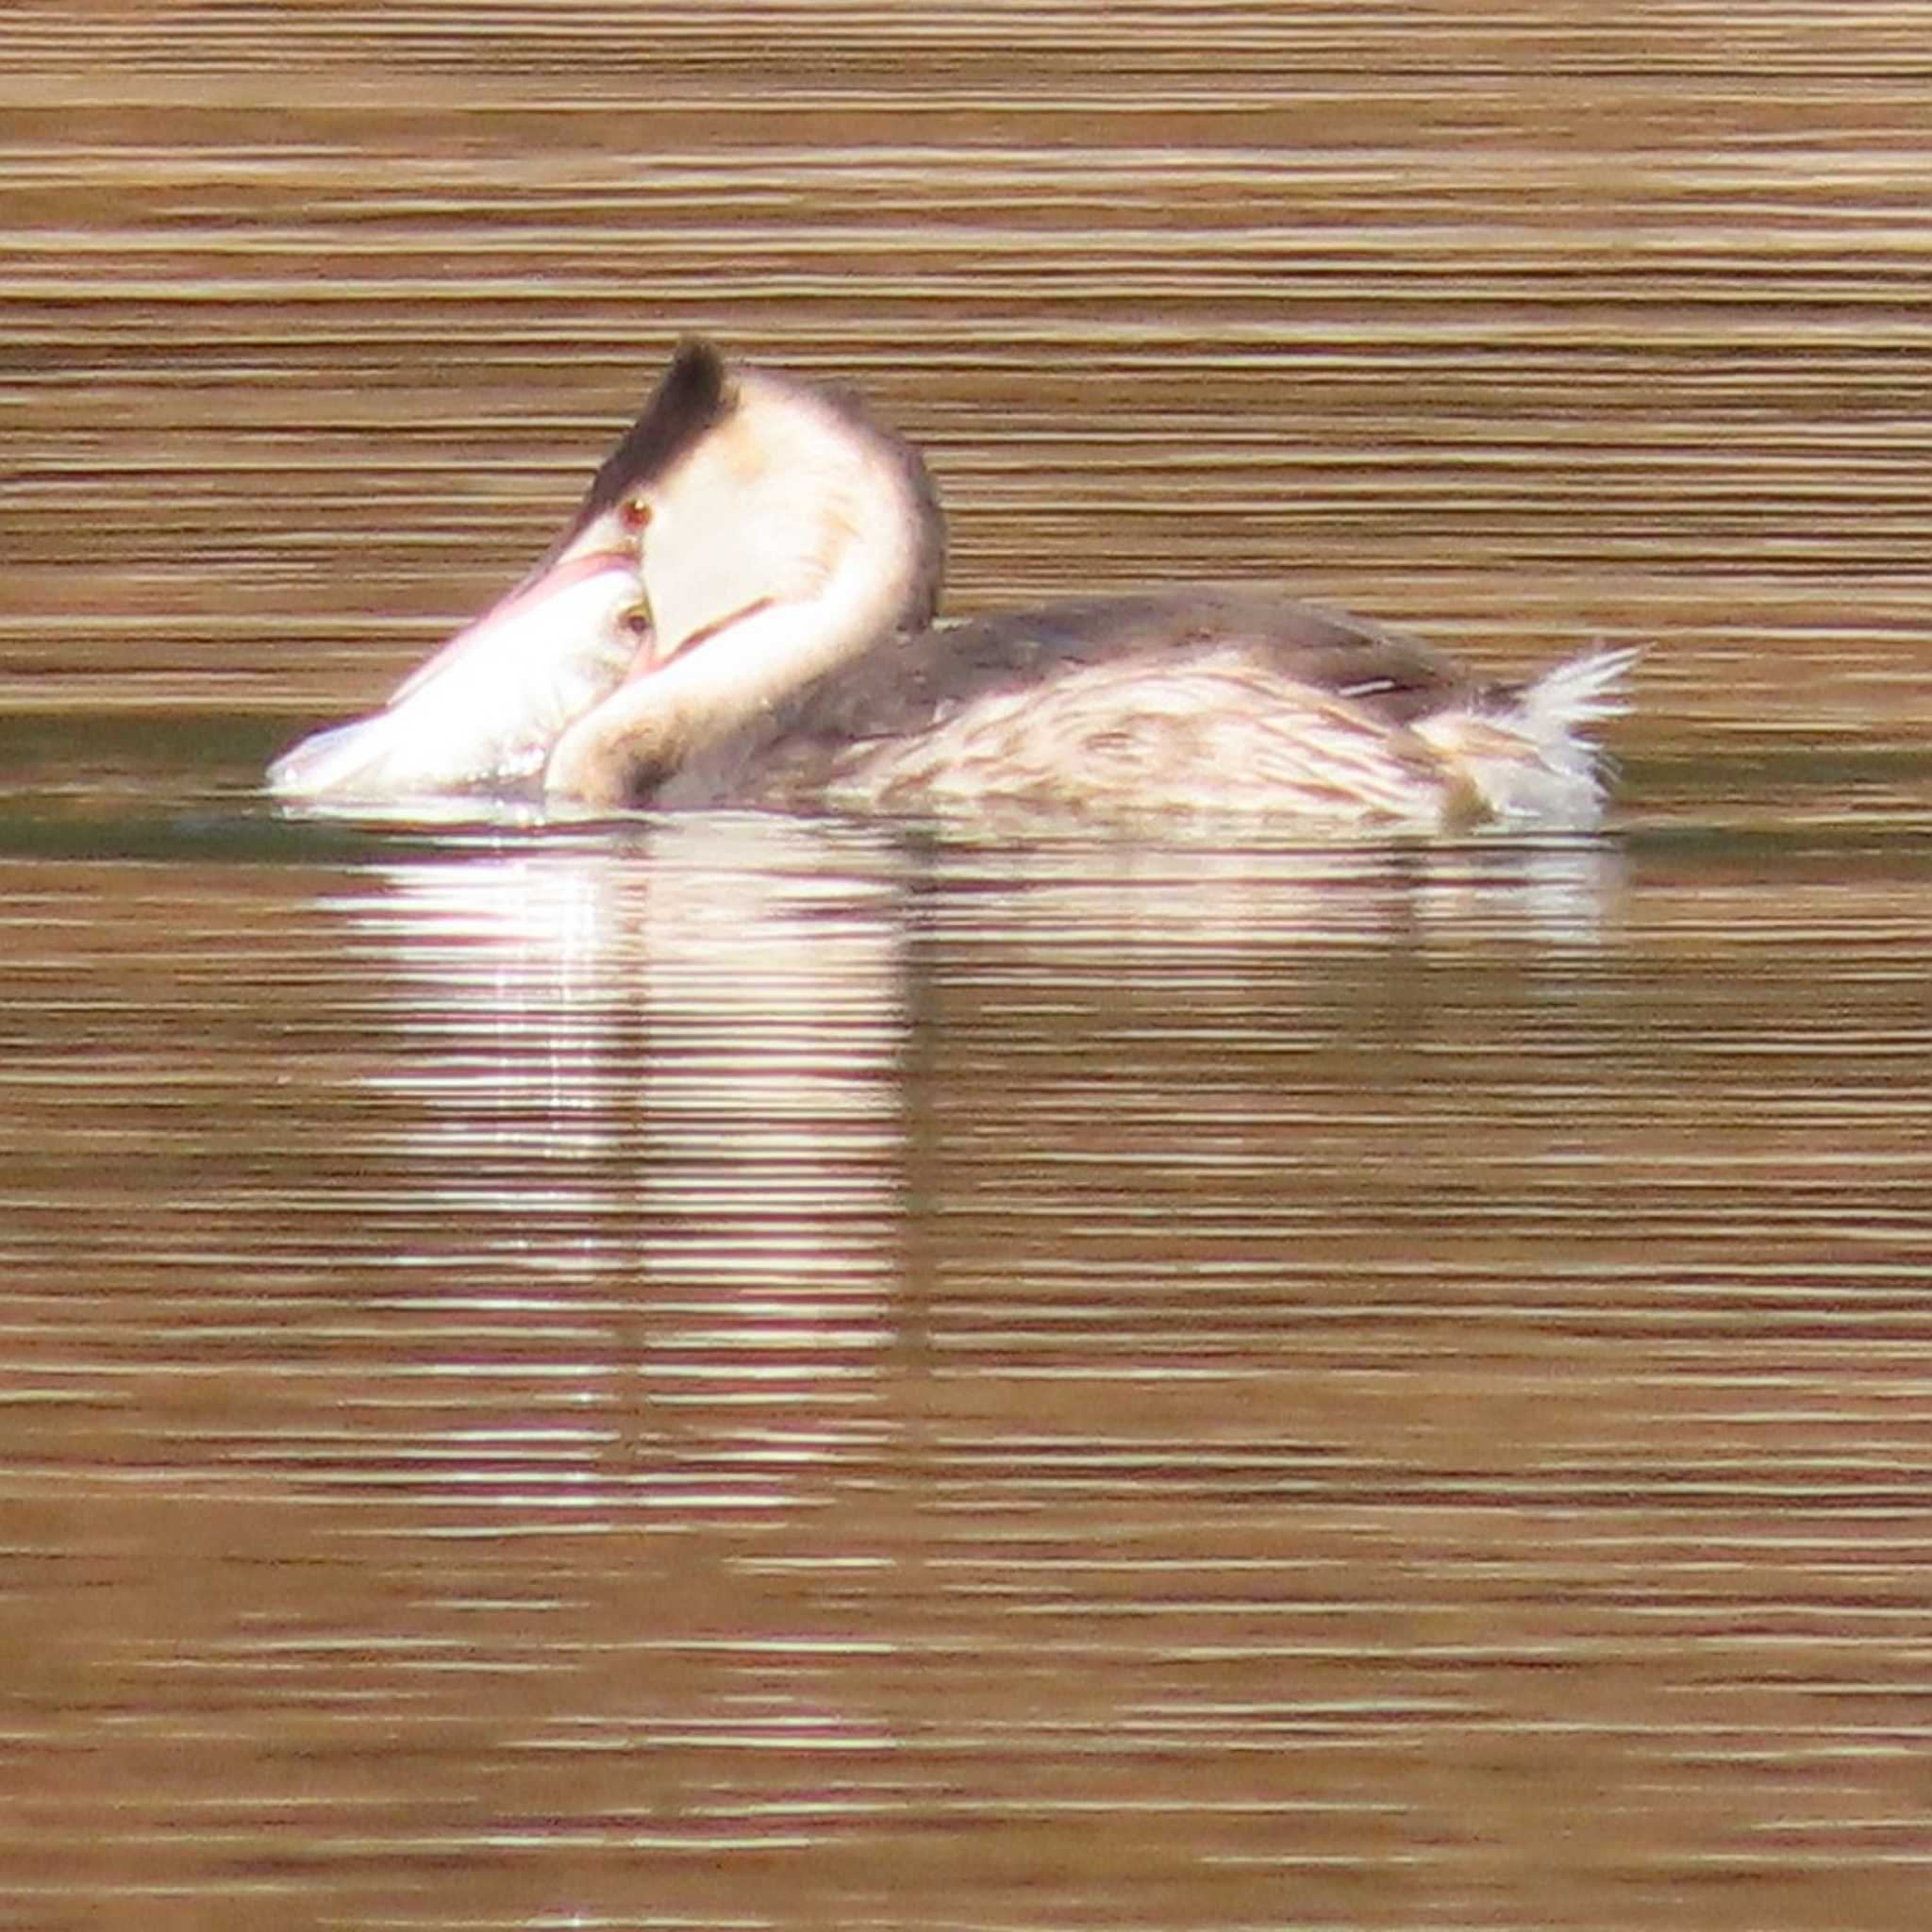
{"x": 745, "y": 1373}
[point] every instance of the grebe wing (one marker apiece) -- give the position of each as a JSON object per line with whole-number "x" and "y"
{"x": 908, "y": 687}
{"x": 911, "y": 685}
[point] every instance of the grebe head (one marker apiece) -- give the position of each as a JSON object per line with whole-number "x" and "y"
{"x": 789, "y": 535}
{"x": 748, "y": 532}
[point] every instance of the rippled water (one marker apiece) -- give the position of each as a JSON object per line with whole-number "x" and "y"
{"x": 741, "y": 1372}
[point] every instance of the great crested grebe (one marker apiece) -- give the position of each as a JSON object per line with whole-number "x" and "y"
{"x": 740, "y": 614}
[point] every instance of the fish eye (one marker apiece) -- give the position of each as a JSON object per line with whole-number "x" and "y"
{"x": 637, "y": 618}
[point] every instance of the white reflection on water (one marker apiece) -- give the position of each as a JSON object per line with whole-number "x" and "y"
{"x": 722, "y": 1004}
{"x": 681, "y": 1094}
{"x": 662, "y": 1073}
{"x": 717, "y": 992}
{"x": 1156, "y": 909}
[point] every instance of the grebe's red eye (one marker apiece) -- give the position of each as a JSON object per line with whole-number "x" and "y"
{"x": 634, "y": 515}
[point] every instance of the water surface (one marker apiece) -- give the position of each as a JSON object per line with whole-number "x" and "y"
{"x": 733, "y": 1372}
